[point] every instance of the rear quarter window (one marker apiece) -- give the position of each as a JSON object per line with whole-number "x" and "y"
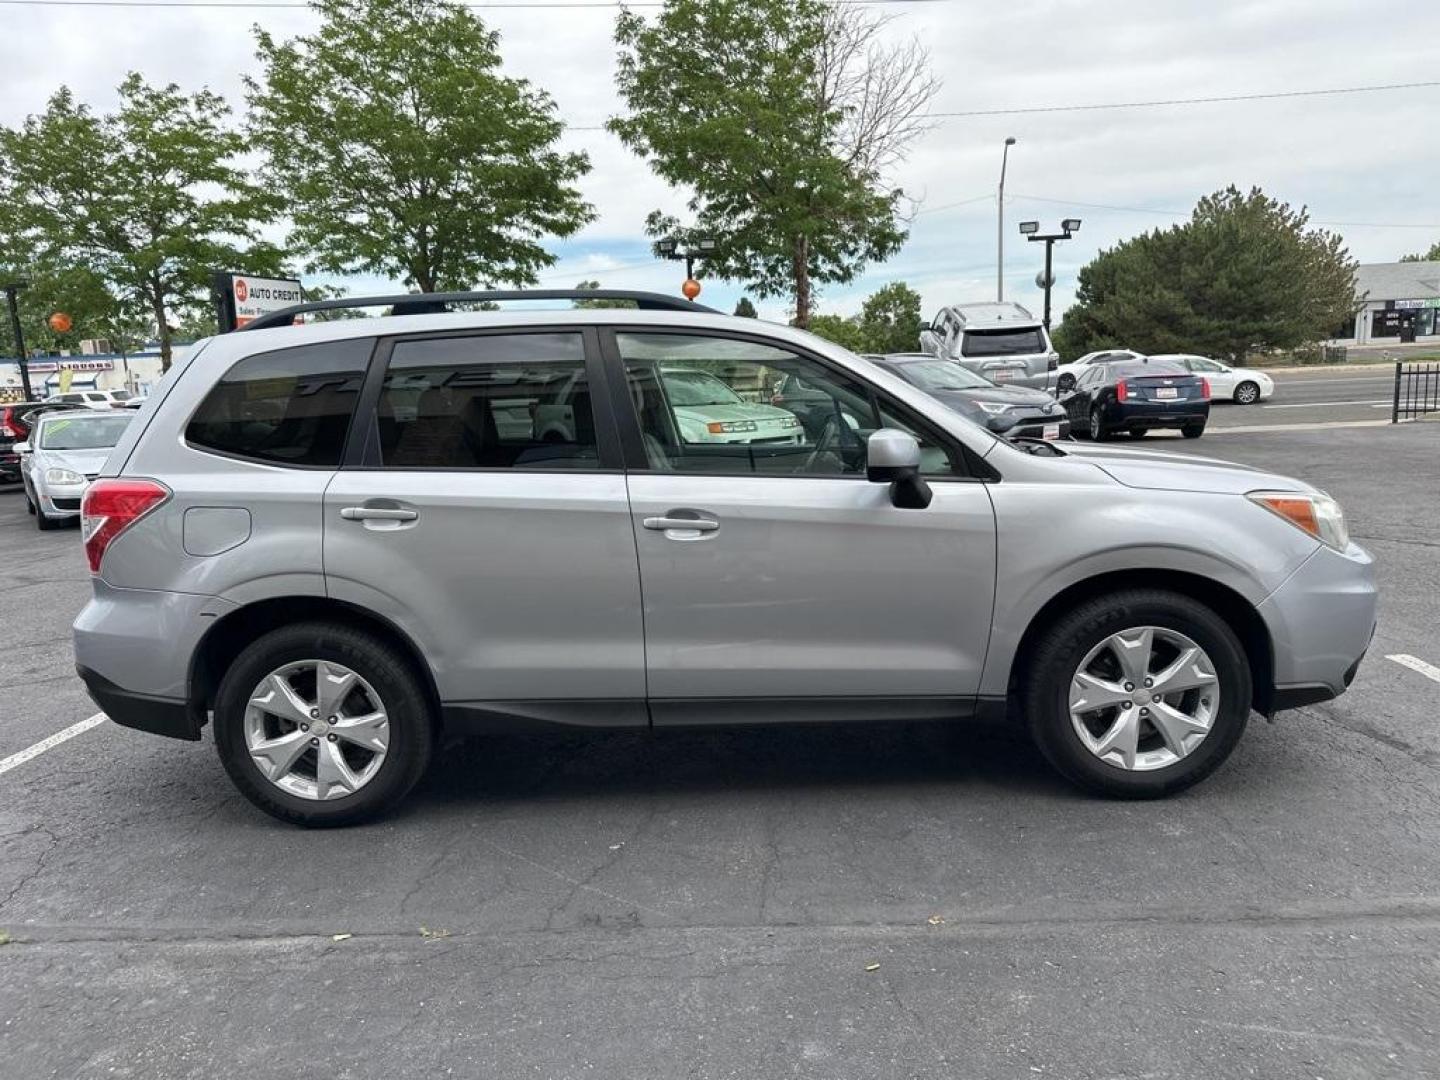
{"x": 287, "y": 407}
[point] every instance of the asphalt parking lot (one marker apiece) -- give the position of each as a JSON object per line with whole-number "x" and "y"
{"x": 715, "y": 904}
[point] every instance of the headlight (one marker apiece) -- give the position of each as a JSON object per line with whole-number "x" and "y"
{"x": 63, "y": 477}
{"x": 1319, "y": 515}
{"x": 994, "y": 408}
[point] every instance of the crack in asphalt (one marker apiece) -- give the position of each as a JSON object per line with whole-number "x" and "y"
{"x": 1416, "y": 911}
{"x": 38, "y": 868}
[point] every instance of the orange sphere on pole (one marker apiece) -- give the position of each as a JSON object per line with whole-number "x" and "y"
{"x": 691, "y": 288}
{"x": 61, "y": 323}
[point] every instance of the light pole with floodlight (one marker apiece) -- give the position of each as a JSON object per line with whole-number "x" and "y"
{"x": 12, "y": 289}
{"x": 1000, "y": 224}
{"x": 687, "y": 251}
{"x": 1031, "y": 231}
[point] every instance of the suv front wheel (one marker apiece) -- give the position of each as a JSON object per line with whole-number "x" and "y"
{"x": 1138, "y": 694}
{"x": 319, "y": 724}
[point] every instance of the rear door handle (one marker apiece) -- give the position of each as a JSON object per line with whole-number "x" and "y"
{"x": 377, "y": 513}
{"x": 661, "y": 524}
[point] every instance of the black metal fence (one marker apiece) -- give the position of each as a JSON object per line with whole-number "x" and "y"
{"x": 1417, "y": 391}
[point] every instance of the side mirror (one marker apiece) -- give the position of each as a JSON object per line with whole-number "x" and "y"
{"x": 893, "y": 457}
{"x": 21, "y": 448}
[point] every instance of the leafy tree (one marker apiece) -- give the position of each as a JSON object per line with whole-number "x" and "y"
{"x": 590, "y": 285}
{"x": 148, "y": 197}
{"x": 1433, "y": 255}
{"x": 890, "y": 319}
{"x": 842, "y": 331}
{"x": 749, "y": 106}
{"x": 1245, "y": 273}
{"x": 401, "y": 149}
{"x": 745, "y": 309}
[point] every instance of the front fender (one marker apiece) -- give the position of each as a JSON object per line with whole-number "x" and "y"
{"x": 1053, "y": 538}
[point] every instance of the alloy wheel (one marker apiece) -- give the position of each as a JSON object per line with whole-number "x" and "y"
{"x": 316, "y": 729}
{"x": 1144, "y": 698}
{"x": 1247, "y": 393}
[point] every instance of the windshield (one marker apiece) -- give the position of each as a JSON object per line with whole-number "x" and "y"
{"x": 82, "y": 432}
{"x": 941, "y": 375}
{"x": 696, "y": 388}
{"x": 1007, "y": 342}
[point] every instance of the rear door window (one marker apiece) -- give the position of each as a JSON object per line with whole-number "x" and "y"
{"x": 288, "y": 407}
{"x": 488, "y": 401}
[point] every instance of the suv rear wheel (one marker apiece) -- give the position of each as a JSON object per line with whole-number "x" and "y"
{"x": 318, "y": 724}
{"x": 1138, "y": 694}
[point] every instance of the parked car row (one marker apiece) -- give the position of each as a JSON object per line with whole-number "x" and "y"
{"x": 62, "y": 451}
{"x": 1244, "y": 386}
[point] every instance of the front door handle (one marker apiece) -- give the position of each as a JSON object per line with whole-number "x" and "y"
{"x": 377, "y": 513}
{"x": 695, "y": 524}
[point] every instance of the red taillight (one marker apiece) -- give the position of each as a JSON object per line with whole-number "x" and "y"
{"x": 7, "y": 429}
{"x": 1122, "y": 392}
{"x": 110, "y": 507}
{"x": 1205, "y": 388}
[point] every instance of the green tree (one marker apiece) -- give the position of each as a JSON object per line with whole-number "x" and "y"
{"x": 401, "y": 149}
{"x": 842, "y": 331}
{"x": 149, "y": 197}
{"x": 1433, "y": 255}
{"x": 890, "y": 319}
{"x": 591, "y": 285}
{"x": 781, "y": 137}
{"x": 745, "y": 309}
{"x": 1246, "y": 273}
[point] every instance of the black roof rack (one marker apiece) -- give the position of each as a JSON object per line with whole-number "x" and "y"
{"x": 431, "y": 303}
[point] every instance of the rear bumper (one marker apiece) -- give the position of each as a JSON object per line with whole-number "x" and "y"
{"x": 158, "y": 715}
{"x": 1155, "y": 416}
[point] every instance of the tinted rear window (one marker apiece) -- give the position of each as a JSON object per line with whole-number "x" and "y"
{"x": 1009, "y": 342}
{"x": 1153, "y": 367}
{"x": 289, "y": 407}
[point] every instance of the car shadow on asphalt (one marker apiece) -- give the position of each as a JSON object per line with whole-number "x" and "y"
{"x": 517, "y": 768}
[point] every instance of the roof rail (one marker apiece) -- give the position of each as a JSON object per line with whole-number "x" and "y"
{"x": 431, "y": 303}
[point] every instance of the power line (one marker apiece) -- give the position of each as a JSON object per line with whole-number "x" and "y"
{"x": 1186, "y": 214}
{"x": 599, "y": 5}
{"x": 1179, "y": 101}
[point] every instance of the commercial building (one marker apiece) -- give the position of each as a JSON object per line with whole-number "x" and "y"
{"x": 136, "y": 372}
{"x": 1399, "y": 303}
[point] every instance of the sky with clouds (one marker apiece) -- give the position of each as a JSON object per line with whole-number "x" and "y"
{"x": 1367, "y": 162}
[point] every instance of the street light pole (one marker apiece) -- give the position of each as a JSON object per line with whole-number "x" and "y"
{"x": 12, "y": 289}
{"x": 1000, "y": 224}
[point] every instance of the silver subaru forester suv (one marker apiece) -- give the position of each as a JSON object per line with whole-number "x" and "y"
{"x": 336, "y": 542}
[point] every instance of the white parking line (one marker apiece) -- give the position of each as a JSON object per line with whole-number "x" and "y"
{"x": 1323, "y": 404}
{"x": 64, "y": 735}
{"x": 1430, "y": 671}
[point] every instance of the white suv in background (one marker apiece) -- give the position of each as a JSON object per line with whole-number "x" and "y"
{"x": 93, "y": 399}
{"x": 1003, "y": 342}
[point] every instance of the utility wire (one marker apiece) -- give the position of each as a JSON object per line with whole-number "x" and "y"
{"x": 601, "y": 5}
{"x": 1187, "y": 213}
{"x": 1179, "y": 101}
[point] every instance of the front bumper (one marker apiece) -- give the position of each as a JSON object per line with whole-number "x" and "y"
{"x": 59, "y": 500}
{"x": 1033, "y": 425}
{"x": 1321, "y": 621}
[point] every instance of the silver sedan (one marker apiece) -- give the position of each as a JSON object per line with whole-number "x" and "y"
{"x": 65, "y": 452}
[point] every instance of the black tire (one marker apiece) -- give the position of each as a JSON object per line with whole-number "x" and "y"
{"x": 1065, "y": 383}
{"x": 1097, "y": 427}
{"x": 412, "y": 725}
{"x": 45, "y": 524}
{"x": 1044, "y": 690}
{"x": 29, "y": 505}
{"x": 1137, "y": 433}
{"x": 1193, "y": 431}
{"x": 1247, "y": 393}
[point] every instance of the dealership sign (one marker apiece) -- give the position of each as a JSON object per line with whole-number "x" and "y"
{"x": 1410, "y": 305}
{"x": 240, "y": 298}
{"x": 71, "y": 365}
